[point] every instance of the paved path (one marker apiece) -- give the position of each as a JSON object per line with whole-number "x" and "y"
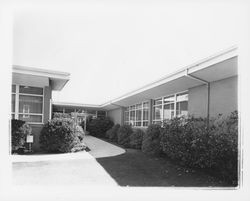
{"x": 100, "y": 148}
{"x": 66, "y": 169}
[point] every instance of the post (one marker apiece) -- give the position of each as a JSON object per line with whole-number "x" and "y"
{"x": 208, "y": 104}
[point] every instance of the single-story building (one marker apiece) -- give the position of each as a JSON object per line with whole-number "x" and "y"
{"x": 31, "y": 96}
{"x": 204, "y": 89}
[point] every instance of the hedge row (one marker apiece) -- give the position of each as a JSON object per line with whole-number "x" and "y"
{"x": 98, "y": 126}
{"x": 189, "y": 142}
{"x": 126, "y": 136}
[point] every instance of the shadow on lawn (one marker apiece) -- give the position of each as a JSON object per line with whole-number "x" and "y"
{"x": 134, "y": 168}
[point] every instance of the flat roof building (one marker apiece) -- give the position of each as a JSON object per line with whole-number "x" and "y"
{"x": 204, "y": 89}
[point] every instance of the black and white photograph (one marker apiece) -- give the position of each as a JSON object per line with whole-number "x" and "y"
{"x": 125, "y": 100}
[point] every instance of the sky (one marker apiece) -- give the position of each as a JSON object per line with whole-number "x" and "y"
{"x": 113, "y": 47}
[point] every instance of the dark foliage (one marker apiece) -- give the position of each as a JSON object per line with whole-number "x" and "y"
{"x": 123, "y": 135}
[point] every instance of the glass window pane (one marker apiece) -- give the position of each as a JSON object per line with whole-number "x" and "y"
{"x": 169, "y": 99}
{"x": 138, "y": 106}
{"x": 13, "y": 97}
{"x": 30, "y": 118}
{"x": 13, "y": 88}
{"x": 145, "y": 105}
{"x": 31, "y": 90}
{"x": 182, "y": 97}
{"x": 168, "y": 111}
{"x": 157, "y": 112}
{"x": 30, "y": 104}
{"x": 12, "y": 116}
{"x": 138, "y": 114}
{"x": 182, "y": 108}
{"x": 138, "y": 123}
{"x": 158, "y": 101}
{"x": 132, "y": 116}
{"x": 132, "y": 107}
{"x": 145, "y": 114}
{"x": 145, "y": 123}
{"x": 126, "y": 116}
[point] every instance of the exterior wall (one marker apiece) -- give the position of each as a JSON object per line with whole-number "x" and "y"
{"x": 47, "y": 97}
{"x": 223, "y": 98}
{"x": 116, "y": 116}
{"x": 36, "y": 128}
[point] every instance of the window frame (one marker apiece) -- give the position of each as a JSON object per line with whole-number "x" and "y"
{"x": 133, "y": 108}
{"x": 16, "y": 113}
{"x": 160, "y": 121}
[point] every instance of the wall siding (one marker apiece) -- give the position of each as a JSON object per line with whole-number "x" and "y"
{"x": 36, "y": 128}
{"x": 116, "y": 115}
{"x": 223, "y": 98}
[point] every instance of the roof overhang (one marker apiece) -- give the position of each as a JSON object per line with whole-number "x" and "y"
{"x": 217, "y": 67}
{"x": 76, "y": 105}
{"x": 39, "y": 77}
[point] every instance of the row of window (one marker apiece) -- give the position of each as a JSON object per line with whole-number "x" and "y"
{"x": 137, "y": 115}
{"x": 164, "y": 108}
{"x": 167, "y": 107}
{"x": 27, "y": 103}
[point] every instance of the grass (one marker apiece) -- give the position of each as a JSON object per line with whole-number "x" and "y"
{"x": 135, "y": 168}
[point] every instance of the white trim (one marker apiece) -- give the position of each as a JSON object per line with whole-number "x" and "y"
{"x": 17, "y": 102}
{"x": 31, "y": 94}
{"x": 40, "y": 72}
{"x": 17, "y": 113}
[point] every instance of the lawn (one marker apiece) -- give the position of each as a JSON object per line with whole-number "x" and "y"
{"x": 134, "y": 168}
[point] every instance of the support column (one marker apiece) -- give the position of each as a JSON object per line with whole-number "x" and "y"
{"x": 122, "y": 115}
{"x": 150, "y": 111}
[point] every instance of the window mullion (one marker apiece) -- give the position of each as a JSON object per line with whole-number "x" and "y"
{"x": 17, "y": 102}
{"x": 175, "y": 105}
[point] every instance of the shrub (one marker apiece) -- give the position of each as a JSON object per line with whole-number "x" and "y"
{"x": 99, "y": 126}
{"x": 58, "y": 135}
{"x": 223, "y": 144}
{"x": 136, "y": 138}
{"x": 19, "y": 131}
{"x": 192, "y": 144}
{"x": 111, "y": 134}
{"x": 79, "y": 132}
{"x": 185, "y": 140}
{"x": 123, "y": 135}
{"x": 151, "y": 140}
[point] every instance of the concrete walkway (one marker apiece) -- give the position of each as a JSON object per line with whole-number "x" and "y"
{"x": 66, "y": 169}
{"x": 100, "y": 148}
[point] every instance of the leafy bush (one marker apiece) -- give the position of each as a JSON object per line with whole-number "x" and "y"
{"x": 136, "y": 138}
{"x": 151, "y": 140}
{"x": 185, "y": 140}
{"x": 99, "y": 126}
{"x": 191, "y": 143}
{"x": 223, "y": 144}
{"x": 123, "y": 135}
{"x": 79, "y": 132}
{"x": 111, "y": 134}
{"x": 58, "y": 135}
{"x": 19, "y": 131}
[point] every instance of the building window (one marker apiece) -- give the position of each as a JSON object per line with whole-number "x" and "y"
{"x": 137, "y": 115}
{"x": 170, "y": 106}
{"x": 27, "y": 103}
